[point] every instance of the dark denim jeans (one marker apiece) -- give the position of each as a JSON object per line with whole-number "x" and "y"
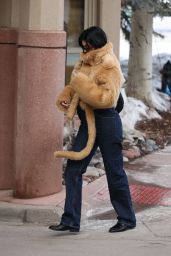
{"x": 108, "y": 139}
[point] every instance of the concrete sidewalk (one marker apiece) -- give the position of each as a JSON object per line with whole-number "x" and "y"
{"x": 149, "y": 238}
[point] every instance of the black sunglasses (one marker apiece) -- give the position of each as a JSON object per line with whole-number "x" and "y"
{"x": 87, "y": 48}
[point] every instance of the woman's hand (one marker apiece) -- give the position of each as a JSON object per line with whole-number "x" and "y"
{"x": 65, "y": 104}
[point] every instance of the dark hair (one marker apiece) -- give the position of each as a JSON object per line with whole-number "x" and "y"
{"x": 95, "y": 36}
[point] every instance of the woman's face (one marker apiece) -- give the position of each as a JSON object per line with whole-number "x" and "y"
{"x": 87, "y": 47}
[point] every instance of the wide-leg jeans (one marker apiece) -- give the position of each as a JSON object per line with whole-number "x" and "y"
{"x": 109, "y": 140}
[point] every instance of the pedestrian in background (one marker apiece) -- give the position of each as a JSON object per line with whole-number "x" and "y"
{"x": 166, "y": 78}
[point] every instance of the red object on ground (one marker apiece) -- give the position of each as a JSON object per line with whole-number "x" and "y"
{"x": 143, "y": 194}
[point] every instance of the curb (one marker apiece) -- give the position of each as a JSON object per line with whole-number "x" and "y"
{"x": 30, "y": 213}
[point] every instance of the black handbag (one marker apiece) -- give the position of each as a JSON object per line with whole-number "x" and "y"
{"x": 120, "y": 103}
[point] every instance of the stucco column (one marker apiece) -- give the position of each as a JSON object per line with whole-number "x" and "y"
{"x": 8, "y": 54}
{"x": 41, "y": 72}
{"x": 109, "y": 20}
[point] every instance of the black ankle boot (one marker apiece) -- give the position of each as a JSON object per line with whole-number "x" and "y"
{"x": 62, "y": 227}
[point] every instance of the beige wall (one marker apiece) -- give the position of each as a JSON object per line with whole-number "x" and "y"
{"x": 46, "y": 15}
{"x": 32, "y": 14}
{"x": 109, "y": 20}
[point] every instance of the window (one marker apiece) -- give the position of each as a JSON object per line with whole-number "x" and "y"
{"x": 78, "y": 15}
{"x": 73, "y": 21}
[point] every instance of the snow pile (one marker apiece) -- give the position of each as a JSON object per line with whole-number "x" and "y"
{"x": 135, "y": 110}
{"x": 159, "y": 100}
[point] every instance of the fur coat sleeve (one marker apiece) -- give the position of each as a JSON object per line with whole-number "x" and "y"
{"x": 68, "y": 92}
{"x": 102, "y": 90}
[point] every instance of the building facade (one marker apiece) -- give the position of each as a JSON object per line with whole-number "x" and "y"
{"x": 38, "y": 48}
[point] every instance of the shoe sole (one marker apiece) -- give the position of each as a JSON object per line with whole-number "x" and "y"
{"x": 68, "y": 230}
{"x": 122, "y": 230}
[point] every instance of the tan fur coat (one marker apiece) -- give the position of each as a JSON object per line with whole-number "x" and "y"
{"x": 95, "y": 84}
